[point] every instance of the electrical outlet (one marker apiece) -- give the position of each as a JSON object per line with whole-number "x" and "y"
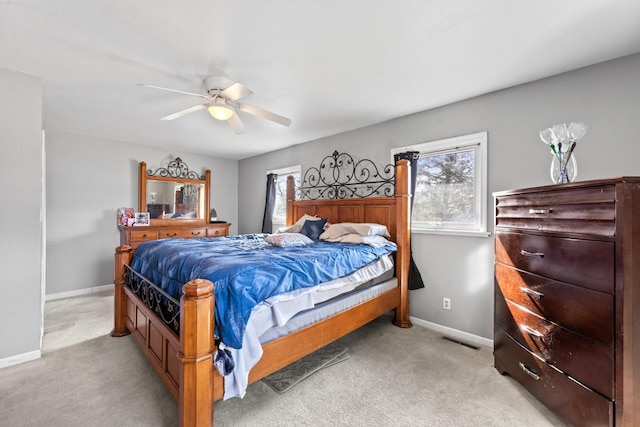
{"x": 446, "y": 303}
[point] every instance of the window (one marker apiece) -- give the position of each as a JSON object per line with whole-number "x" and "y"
{"x": 280, "y": 209}
{"x": 451, "y": 185}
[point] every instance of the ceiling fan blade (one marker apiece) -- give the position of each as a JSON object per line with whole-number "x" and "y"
{"x": 175, "y": 90}
{"x": 256, "y": 111}
{"x": 185, "y": 112}
{"x": 236, "y": 91}
{"x": 236, "y": 124}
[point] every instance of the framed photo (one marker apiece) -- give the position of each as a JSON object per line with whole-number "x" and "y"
{"x": 126, "y": 216}
{"x": 141, "y": 218}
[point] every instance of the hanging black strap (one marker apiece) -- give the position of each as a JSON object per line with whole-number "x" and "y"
{"x": 415, "y": 277}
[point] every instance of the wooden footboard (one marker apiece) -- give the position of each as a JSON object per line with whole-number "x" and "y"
{"x": 185, "y": 363}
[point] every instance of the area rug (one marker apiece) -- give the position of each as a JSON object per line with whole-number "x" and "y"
{"x": 289, "y": 376}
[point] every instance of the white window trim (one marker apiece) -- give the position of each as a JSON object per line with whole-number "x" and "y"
{"x": 480, "y": 173}
{"x": 285, "y": 171}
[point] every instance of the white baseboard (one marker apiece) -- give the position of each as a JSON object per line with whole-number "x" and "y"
{"x": 20, "y": 358}
{"x": 78, "y": 292}
{"x": 453, "y": 333}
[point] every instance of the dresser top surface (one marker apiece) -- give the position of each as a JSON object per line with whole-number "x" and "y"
{"x": 578, "y": 184}
{"x": 175, "y": 225}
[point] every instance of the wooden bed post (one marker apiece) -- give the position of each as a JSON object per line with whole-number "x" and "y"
{"x": 207, "y": 200}
{"x": 403, "y": 240}
{"x": 290, "y": 198}
{"x": 142, "y": 187}
{"x": 122, "y": 257}
{"x": 196, "y": 354}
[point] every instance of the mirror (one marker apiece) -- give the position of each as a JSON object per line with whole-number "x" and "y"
{"x": 174, "y": 193}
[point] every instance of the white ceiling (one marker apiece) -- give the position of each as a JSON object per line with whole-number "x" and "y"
{"x": 331, "y": 66}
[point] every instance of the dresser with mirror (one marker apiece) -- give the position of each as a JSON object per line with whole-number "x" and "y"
{"x": 178, "y": 202}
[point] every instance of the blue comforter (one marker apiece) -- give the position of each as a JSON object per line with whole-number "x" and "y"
{"x": 246, "y": 270}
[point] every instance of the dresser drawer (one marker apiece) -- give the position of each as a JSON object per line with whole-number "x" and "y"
{"x": 142, "y": 236}
{"x": 586, "y": 360}
{"x": 589, "y": 210}
{"x": 183, "y": 232}
{"x": 217, "y": 231}
{"x": 571, "y": 401}
{"x": 582, "y": 310}
{"x": 134, "y": 236}
{"x": 586, "y": 263}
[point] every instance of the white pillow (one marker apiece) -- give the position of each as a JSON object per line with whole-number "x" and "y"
{"x": 297, "y": 226}
{"x": 362, "y": 229}
{"x": 284, "y": 240}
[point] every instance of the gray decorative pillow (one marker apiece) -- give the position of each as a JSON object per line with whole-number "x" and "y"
{"x": 284, "y": 240}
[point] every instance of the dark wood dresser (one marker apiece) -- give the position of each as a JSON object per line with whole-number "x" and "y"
{"x": 567, "y": 297}
{"x": 135, "y": 235}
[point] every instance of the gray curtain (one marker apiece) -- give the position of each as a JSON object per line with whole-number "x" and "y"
{"x": 415, "y": 278}
{"x": 269, "y": 205}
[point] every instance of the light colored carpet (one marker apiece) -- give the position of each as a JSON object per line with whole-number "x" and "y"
{"x": 394, "y": 377}
{"x": 287, "y": 377}
{"x": 71, "y": 321}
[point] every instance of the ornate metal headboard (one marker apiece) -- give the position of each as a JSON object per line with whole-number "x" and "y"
{"x": 340, "y": 177}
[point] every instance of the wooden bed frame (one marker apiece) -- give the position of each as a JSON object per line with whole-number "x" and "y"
{"x": 185, "y": 363}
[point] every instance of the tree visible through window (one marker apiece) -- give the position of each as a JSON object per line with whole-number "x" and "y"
{"x": 445, "y": 188}
{"x": 450, "y": 193}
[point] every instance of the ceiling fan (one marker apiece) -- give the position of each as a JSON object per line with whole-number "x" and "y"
{"x": 222, "y": 97}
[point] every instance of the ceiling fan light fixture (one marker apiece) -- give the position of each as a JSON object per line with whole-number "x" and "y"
{"x": 222, "y": 97}
{"x": 220, "y": 111}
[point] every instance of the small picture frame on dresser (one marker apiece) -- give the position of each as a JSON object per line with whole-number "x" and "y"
{"x": 125, "y": 216}
{"x": 141, "y": 218}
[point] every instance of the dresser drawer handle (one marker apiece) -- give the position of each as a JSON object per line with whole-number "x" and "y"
{"x": 531, "y": 331}
{"x": 529, "y": 371}
{"x": 172, "y": 234}
{"x": 195, "y": 233}
{"x": 531, "y": 292}
{"x": 540, "y": 211}
{"x": 531, "y": 254}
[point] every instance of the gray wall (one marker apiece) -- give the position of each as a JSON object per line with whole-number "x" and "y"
{"x": 605, "y": 96}
{"x": 87, "y": 180}
{"x": 21, "y": 249}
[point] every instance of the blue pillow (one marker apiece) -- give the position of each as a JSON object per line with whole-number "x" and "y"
{"x": 313, "y": 229}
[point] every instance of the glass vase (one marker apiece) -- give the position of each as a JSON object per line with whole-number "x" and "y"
{"x": 564, "y": 170}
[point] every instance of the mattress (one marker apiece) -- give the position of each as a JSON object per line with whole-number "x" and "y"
{"x": 327, "y": 309}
